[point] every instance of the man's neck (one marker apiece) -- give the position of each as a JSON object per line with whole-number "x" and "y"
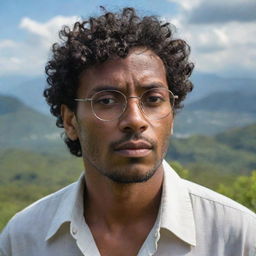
{"x": 120, "y": 216}
{"x": 115, "y": 204}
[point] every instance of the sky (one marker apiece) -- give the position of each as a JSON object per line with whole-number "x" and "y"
{"x": 222, "y": 34}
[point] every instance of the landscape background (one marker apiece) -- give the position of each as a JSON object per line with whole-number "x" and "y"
{"x": 214, "y": 142}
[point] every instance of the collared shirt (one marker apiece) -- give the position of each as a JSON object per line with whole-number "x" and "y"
{"x": 192, "y": 221}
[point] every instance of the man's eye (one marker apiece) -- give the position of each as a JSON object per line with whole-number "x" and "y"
{"x": 106, "y": 101}
{"x": 153, "y": 100}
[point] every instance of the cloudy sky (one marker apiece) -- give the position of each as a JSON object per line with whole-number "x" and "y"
{"x": 222, "y": 34}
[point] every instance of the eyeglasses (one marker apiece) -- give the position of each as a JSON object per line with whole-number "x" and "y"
{"x": 109, "y": 105}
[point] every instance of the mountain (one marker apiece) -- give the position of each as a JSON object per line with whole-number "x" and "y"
{"x": 28, "y": 90}
{"x": 23, "y": 127}
{"x": 233, "y": 101}
{"x": 215, "y": 105}
{"x": 10, "y": 105}
{"x": 240, "y": 138}
{"x": 206, "y": 84}
{"x": 216, "y": 113}
{"x": 217, "y": 153}
{"x": 229, "y": 152}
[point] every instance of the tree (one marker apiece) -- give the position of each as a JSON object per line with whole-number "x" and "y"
{"x": 243, "y": 190}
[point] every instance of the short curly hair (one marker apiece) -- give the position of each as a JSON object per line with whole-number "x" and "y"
{"x": 112, "y": 34}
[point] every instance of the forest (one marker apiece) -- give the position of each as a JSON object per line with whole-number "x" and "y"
{"x": 35, "y": 162}
{"x": 26, "y": 176}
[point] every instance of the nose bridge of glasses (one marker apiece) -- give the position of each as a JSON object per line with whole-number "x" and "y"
{"x": 134, "y": 97}
{"x": 138, "y": 102}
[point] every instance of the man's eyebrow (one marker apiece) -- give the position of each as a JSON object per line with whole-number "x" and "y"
{"x": 104, "y": 87}
{"x": 117, "y": 87}
{"x": 153, "y": 85}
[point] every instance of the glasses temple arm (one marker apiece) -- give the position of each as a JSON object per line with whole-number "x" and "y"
{"x": 83, "y": 100}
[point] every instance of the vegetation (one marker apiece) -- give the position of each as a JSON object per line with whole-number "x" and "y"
{"x": 34, "y": 163}
{"x": 242, "y": 190}
{"x": 215, "y": 153}
{"x": 26, "y": 176}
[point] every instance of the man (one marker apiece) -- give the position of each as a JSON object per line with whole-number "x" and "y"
{"x": 115, "y": 84}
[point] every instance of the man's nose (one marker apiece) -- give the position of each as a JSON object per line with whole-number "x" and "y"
{"x": 133, "y": 118}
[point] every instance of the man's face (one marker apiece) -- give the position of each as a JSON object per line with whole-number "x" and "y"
{"x": 131, "y": 148}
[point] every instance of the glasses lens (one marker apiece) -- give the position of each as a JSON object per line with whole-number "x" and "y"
{"x": 157, "y": 103}
{"x": 108, "y": 105}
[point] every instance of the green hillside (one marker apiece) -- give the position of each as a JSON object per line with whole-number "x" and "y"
{"x": 240, "y": 138}
{"x": 229, "y": 152}
{"x": 10, "y": 105}
{"x": 22, "y": 127}
{"x": 234, "y": 101}
{"x": 26, "y": 176}
{"x": 35, "y": 162}
{"x": 40, "y": 169}
{"x": 216, "y": 113}
{"x": 220, "y": 153}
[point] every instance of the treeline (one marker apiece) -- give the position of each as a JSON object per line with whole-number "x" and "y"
{"x": 26, "y": 176}
{"x": 240, "y": 188}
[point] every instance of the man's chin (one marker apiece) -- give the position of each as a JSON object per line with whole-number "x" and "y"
{"x": 135, "y": 172}
{"x": 129, "y": 179}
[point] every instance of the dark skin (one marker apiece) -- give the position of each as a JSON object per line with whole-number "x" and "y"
{"x": 121, "y": 215}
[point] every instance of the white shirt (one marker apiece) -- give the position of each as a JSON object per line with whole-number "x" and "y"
{"x": 192, "y": 221}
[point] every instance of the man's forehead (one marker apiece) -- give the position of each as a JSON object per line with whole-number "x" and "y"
{"x": 140, "y": 64}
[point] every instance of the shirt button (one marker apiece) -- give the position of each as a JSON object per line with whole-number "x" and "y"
{"x": 74, "y": 231}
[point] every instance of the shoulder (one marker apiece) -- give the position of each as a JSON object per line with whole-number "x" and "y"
{"x": 205, "y": 195}
{"x": 221, "y": 215}
{"x": 45, "y": 206}
{"x": 37, "y": 216}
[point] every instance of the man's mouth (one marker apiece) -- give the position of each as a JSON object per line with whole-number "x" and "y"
{"x": 134, "y": 149}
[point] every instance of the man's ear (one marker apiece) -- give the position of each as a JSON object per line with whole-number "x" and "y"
{"x": 69, "y": 122}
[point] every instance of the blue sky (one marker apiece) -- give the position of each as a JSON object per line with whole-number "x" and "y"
{"x": 221, "y": 34}
{"x": 13, "y": 11}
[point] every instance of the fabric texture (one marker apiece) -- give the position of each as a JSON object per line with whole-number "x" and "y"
{"x": 192, "y": 221}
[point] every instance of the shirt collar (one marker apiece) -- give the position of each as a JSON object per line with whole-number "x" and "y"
{"x": 69, "y": 206}
{"x": 176, "y": 213}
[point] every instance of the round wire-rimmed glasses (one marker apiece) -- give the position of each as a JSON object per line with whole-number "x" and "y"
{"x": 109, "y": 105}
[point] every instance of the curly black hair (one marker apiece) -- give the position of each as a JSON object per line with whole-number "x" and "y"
{"x": 112, "y": 34}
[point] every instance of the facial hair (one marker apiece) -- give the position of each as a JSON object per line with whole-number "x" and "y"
{"x": 126, "y": 174}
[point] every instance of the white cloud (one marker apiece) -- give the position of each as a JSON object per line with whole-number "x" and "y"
{"x": 35, "y": 28}
{"x": 227, "y": 47}
{"x": 187, "y": 4}
{"x": 28, "y": 57}
{"x": 49, "y": 29}
{"x": 7, "y": 44}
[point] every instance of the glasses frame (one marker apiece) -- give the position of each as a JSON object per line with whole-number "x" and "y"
{"x": 125, "y": 103}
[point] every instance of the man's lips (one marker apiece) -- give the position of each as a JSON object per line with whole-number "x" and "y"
{"x": 134, "y": 149}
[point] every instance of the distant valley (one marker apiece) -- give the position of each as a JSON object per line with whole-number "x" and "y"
{"x": 35, "y": 162}
{"x": 215, "y": 113}
{"x": 215, "y": 105}
{"x": 232, "y": 151}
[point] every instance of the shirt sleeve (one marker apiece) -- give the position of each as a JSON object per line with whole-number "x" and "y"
{"x": 5, "y": 246}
